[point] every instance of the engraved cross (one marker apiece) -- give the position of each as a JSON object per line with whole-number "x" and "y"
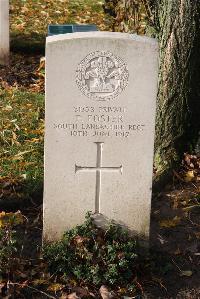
{"x": 98, "y": 169}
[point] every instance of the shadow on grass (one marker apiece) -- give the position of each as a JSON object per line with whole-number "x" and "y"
{"x": 21, "y": 195}
{"x": 33, "y": 43}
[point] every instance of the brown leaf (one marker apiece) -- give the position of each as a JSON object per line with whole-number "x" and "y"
{"x": 170, "y": 222}
{"x": 73, "y": 296}
{"x": 79, "y": 239}
{"x": 105, "y": 294}
{"x": 178, "y": 251}
{"x": 7, "y": 108}
{"x": 40, "y": 281}
{"x": 55, "y": 287}
{"x": 197, "y": 234}
{"x": 81, "y": 292}
{"x": 64, "y": 296}
{"x": 189, "y": 176}
{"x": 21, "y": 274}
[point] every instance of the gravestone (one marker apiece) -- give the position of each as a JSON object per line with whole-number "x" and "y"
{"x": 100, "y": 115}
{"x": 4, "y": 32}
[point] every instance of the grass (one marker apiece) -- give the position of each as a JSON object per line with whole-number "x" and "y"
{"x": 21, "y": 140}
{"x": 29, "y": 19}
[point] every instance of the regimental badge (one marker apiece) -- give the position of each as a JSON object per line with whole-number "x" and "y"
{"x": 102, "y": 76}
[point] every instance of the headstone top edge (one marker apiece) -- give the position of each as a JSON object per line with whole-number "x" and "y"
{"x": 102, "y": 34}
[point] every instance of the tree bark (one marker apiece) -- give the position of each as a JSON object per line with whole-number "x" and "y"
{"x": 176, "y": 24}
{"x": 178, "y": 102}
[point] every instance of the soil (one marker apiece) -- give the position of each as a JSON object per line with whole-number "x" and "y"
{"x": 178, "y": 245}
{"x": 23, "y": 72}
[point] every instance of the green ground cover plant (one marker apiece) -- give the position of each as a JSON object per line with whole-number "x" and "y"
{"x": 95, "y": 256}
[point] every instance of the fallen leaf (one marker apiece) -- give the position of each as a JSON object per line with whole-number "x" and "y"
{"x": 161, "y": 239}
{"x": 191, "y": 207}
{"x": 64, "y": 296}
{"x": 40, "y": 282}
{"x": 20, "y": 27}
{"x": 55, "y": 287}
{"x": 197, "y": 234}
{"x": 177, "y": 252}
{"x": 21, "y": 274}
{"x": 81, "y": 292}
{"x": 73, "y": 296}
{"x": 170, "y": 222}
{"x": 79, "y": 240}
{"x": 189, "y": 176}
{"x": 22, "y": 153}
{"x": 105, "y": 294}
{"x": 187, "y": 273}
{"x": 8, "y": 108}
{"x": 2, "y": 285}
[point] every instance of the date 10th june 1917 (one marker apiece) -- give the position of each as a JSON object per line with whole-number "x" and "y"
{"x": 99, "y": 133}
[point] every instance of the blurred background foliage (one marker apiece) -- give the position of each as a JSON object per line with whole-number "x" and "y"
{"x": 132, "y": 16}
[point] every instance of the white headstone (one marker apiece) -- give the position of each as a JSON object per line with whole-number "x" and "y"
{"x": 4, "y": 32}
{"x": 100, "y": 109}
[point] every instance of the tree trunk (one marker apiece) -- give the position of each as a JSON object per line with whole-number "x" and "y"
{"x": 176, "y": 24}
{"x": 178, "y": 103}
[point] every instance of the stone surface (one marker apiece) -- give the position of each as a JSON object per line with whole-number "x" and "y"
{"x": 4, "y": 32}
{"x": 100, "y": 108}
